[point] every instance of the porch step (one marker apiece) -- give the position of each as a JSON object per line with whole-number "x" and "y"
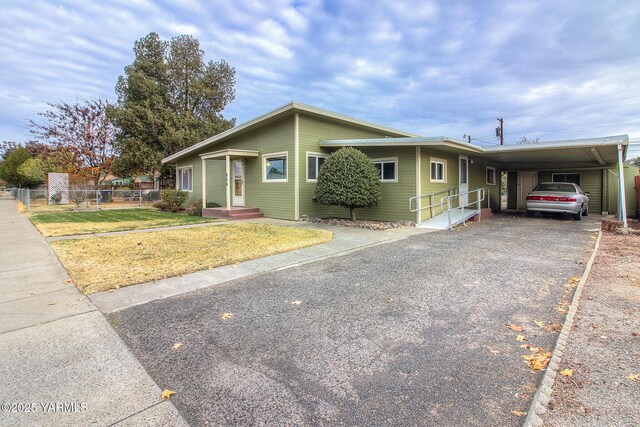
{"x": 233, "y": 213}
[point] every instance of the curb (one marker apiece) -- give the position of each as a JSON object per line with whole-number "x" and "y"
{"x": 540, "y": 400}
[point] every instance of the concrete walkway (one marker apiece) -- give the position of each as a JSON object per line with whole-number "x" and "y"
{"x": 59, "y": 355}
{"x": 345, "y": 240}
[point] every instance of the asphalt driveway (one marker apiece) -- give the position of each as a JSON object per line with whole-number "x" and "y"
{"x": 406, "y": 333}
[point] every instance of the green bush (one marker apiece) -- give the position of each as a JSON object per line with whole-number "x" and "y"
{"x": 348, "y": 178}
{"x": 212, "y": 205}
{"x": 171, "y": 200}
{"x": 195, "y": 208}
{"x": 56, "y": 198}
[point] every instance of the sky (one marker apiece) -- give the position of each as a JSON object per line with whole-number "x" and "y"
{"x": 552, "y": 69}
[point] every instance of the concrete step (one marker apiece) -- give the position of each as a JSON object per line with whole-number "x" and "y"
{"x": 247, "y": 215}
{"x": 233, "y": 213}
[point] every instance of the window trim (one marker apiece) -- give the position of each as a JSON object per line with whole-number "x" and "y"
{"x": 383, "y": 160}
{"x": 495, "y": 176}
{"x": 567, "y": 173}
{"x": 444, "y": 164}
{"x": 179, "y": 178}
{"x": 284, "y": 154}
{"x": 306, "y": 165}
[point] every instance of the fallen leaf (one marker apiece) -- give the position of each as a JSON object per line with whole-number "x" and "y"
{"x": 53, "y": 303}
{"x": 389, "y": 300}
{"x": 296, "y": 302}
{"x": 566, "y": 372}
{"x": 539, "y": 323}
{"x": 573, "y": 282}
{"x": 515, "y": 327}
{"x": 538, "y": 361}
{"x": 633, "y": 377}
{"x": 555, "y": 327}
{"x": 177, "y": 345}
{"x": 520, "y": 338}
{"x": 166, "y": 394}
{"x": 519, "y": 413}
{"x": 226, "y": 316}
{"x": 494, "y": 352}
{"x": 560, "y": 309}
{"x": 68, "y": 281}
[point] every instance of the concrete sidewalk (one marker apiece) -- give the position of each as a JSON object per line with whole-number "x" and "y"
{"x": 61, "y": 362}
{"x": 345, "y": 240}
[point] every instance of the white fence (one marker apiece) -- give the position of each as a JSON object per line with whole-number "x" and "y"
{"x": 81, "y": 198}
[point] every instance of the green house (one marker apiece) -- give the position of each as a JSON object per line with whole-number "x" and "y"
{"x": 270, "y": 165}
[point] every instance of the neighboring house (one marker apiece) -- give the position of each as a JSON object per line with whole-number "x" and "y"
{"x": 271, "y": 163}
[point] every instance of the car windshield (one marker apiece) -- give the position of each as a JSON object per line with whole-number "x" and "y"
{"x": 565, "y": 188}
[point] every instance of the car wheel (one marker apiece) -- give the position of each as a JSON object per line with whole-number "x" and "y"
{"x": 578, "y": 216}
{"x": 529, "y": 213}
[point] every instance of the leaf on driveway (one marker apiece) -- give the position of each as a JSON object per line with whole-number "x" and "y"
{"x": 166, "y": 394}
{"x": 520, "y": 338}
{"x": 494, "y": 352}
{"x": 566, "y": 372}
{"x": 53, "y": 302}
{"x": 573, "y": 282}
{"x": 226, "y": 316}
{"x": 177, "y": 345}
{"x": 68, "y": 281}
{"x": 633, "y": 377}
{"x": 519, "y": 413}
{"x": 515, "y": 327}
{"x": 389, "y": 300}
{"x": 538, "y": 361}
{"x": 539, "y": 323}
{"x": 296, "y": 302}
{"x": 555, "y": 327}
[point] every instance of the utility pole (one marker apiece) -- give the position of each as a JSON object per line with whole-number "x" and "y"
{"x": 468, "y": 138}
{"x": 500, "y": 130}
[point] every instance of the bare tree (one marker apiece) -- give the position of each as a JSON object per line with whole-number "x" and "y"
{"x": 525, "y": 140}
{"x": 83, "y": 132}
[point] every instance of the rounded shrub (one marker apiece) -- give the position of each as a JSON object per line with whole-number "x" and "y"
{"x": 348, "y": 178}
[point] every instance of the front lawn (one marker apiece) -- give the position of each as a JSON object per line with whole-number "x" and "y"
{"x": 103, "y": 263}
{"x": 87, "y": 222}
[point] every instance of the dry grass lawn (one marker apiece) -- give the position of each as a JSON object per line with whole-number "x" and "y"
{"x": 87, "y": 222}
{"x": 103, "y": 263}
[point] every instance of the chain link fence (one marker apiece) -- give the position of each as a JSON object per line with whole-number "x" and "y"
{"x": 85, "y": 199}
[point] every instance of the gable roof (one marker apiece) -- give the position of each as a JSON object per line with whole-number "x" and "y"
{"x": 290, "y": 108}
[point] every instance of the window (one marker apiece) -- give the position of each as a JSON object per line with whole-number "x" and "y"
{"x": 573, "y": 178}
{"x": 274, "y": 167}
{"x": 387, "y": 169}
{"x": 185, "y": 178}
{"x": 438, "y": 170}
{"x": 314, "y": 161}
{"x": 491, "y": 176}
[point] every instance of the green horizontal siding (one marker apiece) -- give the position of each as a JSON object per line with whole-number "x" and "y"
{"x": 590, "y": 182}
{"x": 395, "y": 196}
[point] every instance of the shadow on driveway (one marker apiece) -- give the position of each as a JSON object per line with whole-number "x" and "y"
{"x": 406, "y": 333}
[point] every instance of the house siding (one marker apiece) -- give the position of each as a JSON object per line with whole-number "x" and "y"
{"x": 394, "y": 202}
{"x": 428, "y": 187}
{"x": 478, "y": 179}
{"x": 274, "y": 199}
{"x": 630, "y": 192}
{"x": 590, "y": 182}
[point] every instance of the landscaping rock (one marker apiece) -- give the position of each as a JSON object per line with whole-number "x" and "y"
{"x": 366, "y": 224}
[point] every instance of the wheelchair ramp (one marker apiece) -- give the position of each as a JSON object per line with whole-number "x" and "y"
{"x": 441, "y": 222}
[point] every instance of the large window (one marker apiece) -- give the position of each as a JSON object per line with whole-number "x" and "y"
{"x": 387, "y": 169}
{"x": 274, "y": 167}
{"x": 438, "y": 170}
{"x": 314, "y": 161}
{"x": 573, "y": 178}
{"x": 185, "y": 178}
{"x": 491, "y": 175}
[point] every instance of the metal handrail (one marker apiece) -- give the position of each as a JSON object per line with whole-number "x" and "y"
{"x": 419, "y": 207}
{"x": 481, "y": 192}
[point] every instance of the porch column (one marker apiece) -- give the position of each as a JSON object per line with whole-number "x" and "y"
{"x": 622, "y": 197}
{"x": 204, "y": 184}
{"x": 228, "y": 184}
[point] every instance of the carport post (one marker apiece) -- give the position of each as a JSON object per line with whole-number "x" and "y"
{"x": 622, "y": 199}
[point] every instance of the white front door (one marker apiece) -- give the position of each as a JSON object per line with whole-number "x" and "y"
{"x": 526, "y": 182}
{"x": 237, "y": 168}
{"x": 463, "y": 185}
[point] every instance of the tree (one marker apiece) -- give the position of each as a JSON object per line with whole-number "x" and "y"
{"x": 31, "y": 172}
{"x": 83, "y": 133}
{"x": 634, "y": 161}
{"x": 348, "y": 178}
{"x": 9, "y": 169}
{"x": 6, "y": 147}
{"x": 168, "y": 99}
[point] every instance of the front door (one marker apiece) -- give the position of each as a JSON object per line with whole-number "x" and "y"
{"x": 463, "y": 185}
{"x": 526, "y": 182}
{"x": 238, "y": 182}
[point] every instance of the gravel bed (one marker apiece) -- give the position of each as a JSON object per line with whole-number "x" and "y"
{"x": 361, "y": 223}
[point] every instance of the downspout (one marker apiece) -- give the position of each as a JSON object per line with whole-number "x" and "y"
{"x": 622, "y": 199}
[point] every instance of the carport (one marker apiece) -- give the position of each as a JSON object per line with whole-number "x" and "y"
{"x": 596, "y": 164}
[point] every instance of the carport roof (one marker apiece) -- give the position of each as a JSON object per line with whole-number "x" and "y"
{"x": 591, "y": 152}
